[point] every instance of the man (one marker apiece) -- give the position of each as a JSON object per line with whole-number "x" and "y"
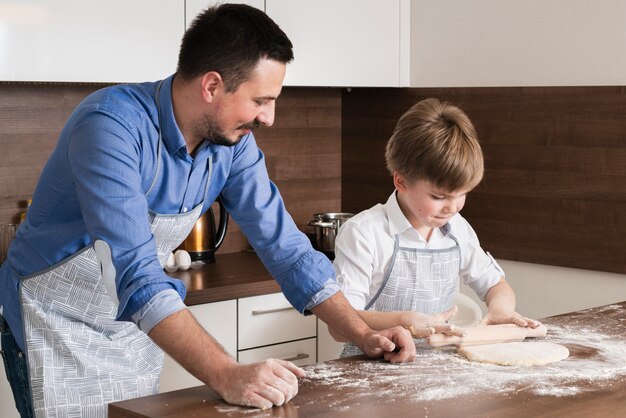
{"x": 134, "y": 168}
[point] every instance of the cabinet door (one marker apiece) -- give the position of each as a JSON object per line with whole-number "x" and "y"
{"x": 327, "y": 347}
{"x": 270, "y": 319}
{"x": 194, "y": 7}
{"x": 341, "y": 43}
{"x": 299, "y": 353}
{"x": 87, "y": 41}
{"x": 220, "y": 320}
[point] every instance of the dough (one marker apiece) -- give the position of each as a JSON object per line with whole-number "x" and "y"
{"x": 516, "y": 353}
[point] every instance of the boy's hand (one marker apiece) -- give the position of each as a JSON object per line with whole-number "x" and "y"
{"x": 495, "y": 317}
{"x": 501, "y": 304}
{"x": 423, "y": 325}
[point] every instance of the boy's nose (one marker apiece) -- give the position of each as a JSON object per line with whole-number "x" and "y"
{"x": 451, "y": 207}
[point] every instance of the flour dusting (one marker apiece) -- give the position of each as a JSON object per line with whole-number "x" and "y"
{"x": 233, "y": 409}
{"x": 597, "y": 359}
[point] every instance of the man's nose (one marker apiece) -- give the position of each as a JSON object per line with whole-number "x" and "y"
{"x": 266, "y": 117}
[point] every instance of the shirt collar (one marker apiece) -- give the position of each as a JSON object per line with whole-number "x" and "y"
{"x": 398, "y": 223}
{"x": 171, "y": 135}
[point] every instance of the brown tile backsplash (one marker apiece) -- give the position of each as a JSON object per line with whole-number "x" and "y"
{"x": 303, "y": 148}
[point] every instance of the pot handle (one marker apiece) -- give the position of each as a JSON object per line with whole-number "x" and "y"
{"x": 322, "y": 224}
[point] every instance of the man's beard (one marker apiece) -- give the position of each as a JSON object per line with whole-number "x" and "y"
{"x": 213, "y": 133}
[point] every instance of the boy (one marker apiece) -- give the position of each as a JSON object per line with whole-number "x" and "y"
{"x": 401, "y": 261}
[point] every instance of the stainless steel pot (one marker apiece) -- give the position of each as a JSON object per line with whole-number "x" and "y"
{"x": 326, "y": 227}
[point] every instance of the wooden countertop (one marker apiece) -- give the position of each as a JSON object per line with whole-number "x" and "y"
{"x": 590, "y": 383}
{"x": 232, "y": 276}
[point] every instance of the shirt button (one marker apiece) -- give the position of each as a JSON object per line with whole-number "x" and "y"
{"x": 185, "y": 209}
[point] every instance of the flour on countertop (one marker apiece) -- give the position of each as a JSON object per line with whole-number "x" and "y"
{"x": 443, "y": 374}
{"x": 227, "y": 409}
{"x": 597, "y": 360}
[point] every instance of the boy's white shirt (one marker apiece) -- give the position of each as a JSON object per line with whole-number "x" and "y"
{"x": 364, "y": 247}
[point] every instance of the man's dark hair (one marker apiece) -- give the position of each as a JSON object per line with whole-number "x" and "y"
{"x": 231, "y": 39}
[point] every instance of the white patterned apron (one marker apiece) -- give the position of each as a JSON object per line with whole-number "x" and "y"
{"x": 79, "y": 357}
{"x": 420, "y": 280}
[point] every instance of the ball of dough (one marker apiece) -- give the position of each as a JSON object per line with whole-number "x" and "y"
{"x": 183, "y": 259}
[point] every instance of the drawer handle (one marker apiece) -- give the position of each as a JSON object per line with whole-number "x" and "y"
{"x": 300, "y": 356}
{"x": 268, "y": 311}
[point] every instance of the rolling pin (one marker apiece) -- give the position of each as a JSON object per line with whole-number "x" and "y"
{"x": 488, "y": 334}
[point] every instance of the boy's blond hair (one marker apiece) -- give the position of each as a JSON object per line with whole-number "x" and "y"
{"x": 436, "y": 142}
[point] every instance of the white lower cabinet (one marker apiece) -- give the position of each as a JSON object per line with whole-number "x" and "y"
{"x": 220, "y": 320}
{"x": 300, "y": 352}
{"x": 270, "y": 319}
{"x": 327, "y": 347}
{"x": 250, "y": 329}
{"x": 269, "y": 327}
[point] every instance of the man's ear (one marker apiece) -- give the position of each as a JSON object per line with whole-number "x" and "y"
{"x": 399, "y": 182}
{"x": 212, "y": 83}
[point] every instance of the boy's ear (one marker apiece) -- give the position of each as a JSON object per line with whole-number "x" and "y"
{"x": 399, "y": 182}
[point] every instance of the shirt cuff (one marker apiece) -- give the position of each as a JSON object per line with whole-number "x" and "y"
{"x": 328, "y": 289}
{"x": 159, "y": 307}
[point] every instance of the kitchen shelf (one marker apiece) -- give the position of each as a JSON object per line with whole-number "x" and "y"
{"x": 232, "y": 276}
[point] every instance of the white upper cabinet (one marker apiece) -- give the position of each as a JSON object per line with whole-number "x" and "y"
{"x": 337, "y": 43}
{"x": 347, "y": 43}
{"x": 193, "y": 7}
{"x": 89, "y": 41}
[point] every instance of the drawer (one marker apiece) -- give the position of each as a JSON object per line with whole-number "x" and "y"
{"x": 270, "y": 319}
{"x": 299, "y": 353}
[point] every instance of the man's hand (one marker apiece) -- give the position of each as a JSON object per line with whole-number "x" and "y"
{"x": 259, "y": 385}
{"x": 345, "y": 324}
{"x": 394, "y": 344}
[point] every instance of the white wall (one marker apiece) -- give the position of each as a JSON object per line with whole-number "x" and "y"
{"x": 461, "y": 43}
{"x": 493, "y": 43}
{"x": 543, "y": 290}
